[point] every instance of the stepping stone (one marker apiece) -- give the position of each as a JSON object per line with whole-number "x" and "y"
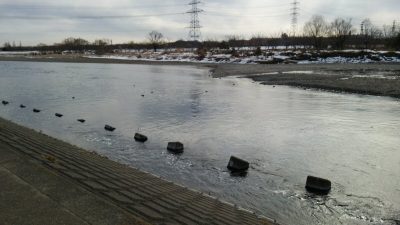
{"x": 140, "y": 137}
{"x": 81, "y": 120}
{"x": 22, "y": 106}
{"x": 109, "y": 128}
{"x": 237, "y": 165}
{"x": 58, "y": 115}
{"x": 36, "y": 110}
{"x": 175, "y": 147}
{"x": 318, "y": 185}
{"x": 4, "y": 102}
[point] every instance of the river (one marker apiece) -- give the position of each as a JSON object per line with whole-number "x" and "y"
{"x": 285, "y": 133}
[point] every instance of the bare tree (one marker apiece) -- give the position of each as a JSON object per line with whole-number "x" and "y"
{"x": 235, "y": 40}
{"x": 156, "y": 39}
{"x": 369, "y": 32}
{"x": 102, "y": 42}
{"x": 387, "y": 31}
{"x": 390, "y": 31}
{"x": 258, "y": 40}
{"x": 285, "y": 40}
{"x": 341, "y": 29}
{"x": 76, "y": 44}
{"x": 75, "y": 41}
{"x": 316, "y": 28}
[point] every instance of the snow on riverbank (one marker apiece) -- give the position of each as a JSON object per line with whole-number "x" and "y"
{"x": 187, "y": 57}
{"x": 268, "y": 57}
{"x": 21, "y": 53}
{"x": 238, "y": 56}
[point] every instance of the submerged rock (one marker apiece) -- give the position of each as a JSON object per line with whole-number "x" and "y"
{"x": 58, "y": 115}
{"x": 22, "y": 106}
{"x": 140, "y": 137}
{"x": 36, "y": 110}
{"x": 237, "y": 165}
{"x": 318, "y": 185}
{"x": 109, "y": 128}
{"x": 81, "y": 120}
{"x": 4, "y": 102}
{"x": 175, "y": 147}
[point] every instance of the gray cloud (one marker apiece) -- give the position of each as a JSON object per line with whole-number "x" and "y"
{"x": 49, "y": 21}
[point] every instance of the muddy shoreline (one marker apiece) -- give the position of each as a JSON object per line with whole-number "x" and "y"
{"x": 349, "y": 78}
{"x": 379, "y": 79}
{"x": 80, "y": 59}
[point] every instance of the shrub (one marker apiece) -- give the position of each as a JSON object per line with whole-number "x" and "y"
{"x": 258, "y": 51}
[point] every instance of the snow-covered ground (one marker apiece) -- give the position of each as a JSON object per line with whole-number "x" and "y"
{"x": 220, "y": 58}
{"x": 23, "y": 53}
{"x": 239, "y": 56}
{"x": 271, "y": 57}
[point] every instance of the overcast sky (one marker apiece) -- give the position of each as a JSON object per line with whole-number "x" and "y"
{"x": 50, "y": 21}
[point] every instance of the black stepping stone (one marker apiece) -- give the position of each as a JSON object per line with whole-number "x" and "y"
{"x": 175, "y": 147}
{"x": 109, "y": 128}
{"x": 140, "y": 137}
{"x": 237, "y": 165}
{"x": 318, "y": 185}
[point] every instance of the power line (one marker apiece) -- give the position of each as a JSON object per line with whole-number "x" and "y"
{"x": 263, "y": 6}
{"x": 194, "y": 32}
{"x": 213, "y": 13}
{"x": 66, "y": 7}
{"x": 88, "y": 17}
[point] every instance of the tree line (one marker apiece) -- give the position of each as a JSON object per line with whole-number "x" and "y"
{"x": 317, "y": 34}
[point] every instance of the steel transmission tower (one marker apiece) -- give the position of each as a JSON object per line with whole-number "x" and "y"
{"x": 194, "y": 33}
{"x": 295, "y": 13}
{"x": 362, "y": 27}
{"x": 394, "y": 27}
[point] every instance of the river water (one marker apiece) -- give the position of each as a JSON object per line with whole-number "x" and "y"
{"x": 285, "y": 133}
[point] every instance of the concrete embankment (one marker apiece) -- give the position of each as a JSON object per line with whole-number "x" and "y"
{"x": 47, "y": 181}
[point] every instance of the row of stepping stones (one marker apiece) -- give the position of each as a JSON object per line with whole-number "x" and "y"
{"x": 236, "y": 165}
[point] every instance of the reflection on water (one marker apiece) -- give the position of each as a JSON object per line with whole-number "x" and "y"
{"x": 285, "y": 133}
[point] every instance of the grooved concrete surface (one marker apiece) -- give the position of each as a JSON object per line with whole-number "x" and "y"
{"x": 47, "y": 181}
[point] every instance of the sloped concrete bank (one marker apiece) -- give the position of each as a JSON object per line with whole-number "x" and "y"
{"x": 48, "y": 181}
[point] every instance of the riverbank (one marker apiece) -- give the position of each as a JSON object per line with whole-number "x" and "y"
{"x": 81, "y": 59}
{"x": 380, "y": 79}
{"x": 48, "y": 181}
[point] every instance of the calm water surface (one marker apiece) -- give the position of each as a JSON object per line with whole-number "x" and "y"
{"x": 285, "y": 133}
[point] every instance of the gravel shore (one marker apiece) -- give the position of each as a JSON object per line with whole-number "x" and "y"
{"x": 372, "y": 79}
